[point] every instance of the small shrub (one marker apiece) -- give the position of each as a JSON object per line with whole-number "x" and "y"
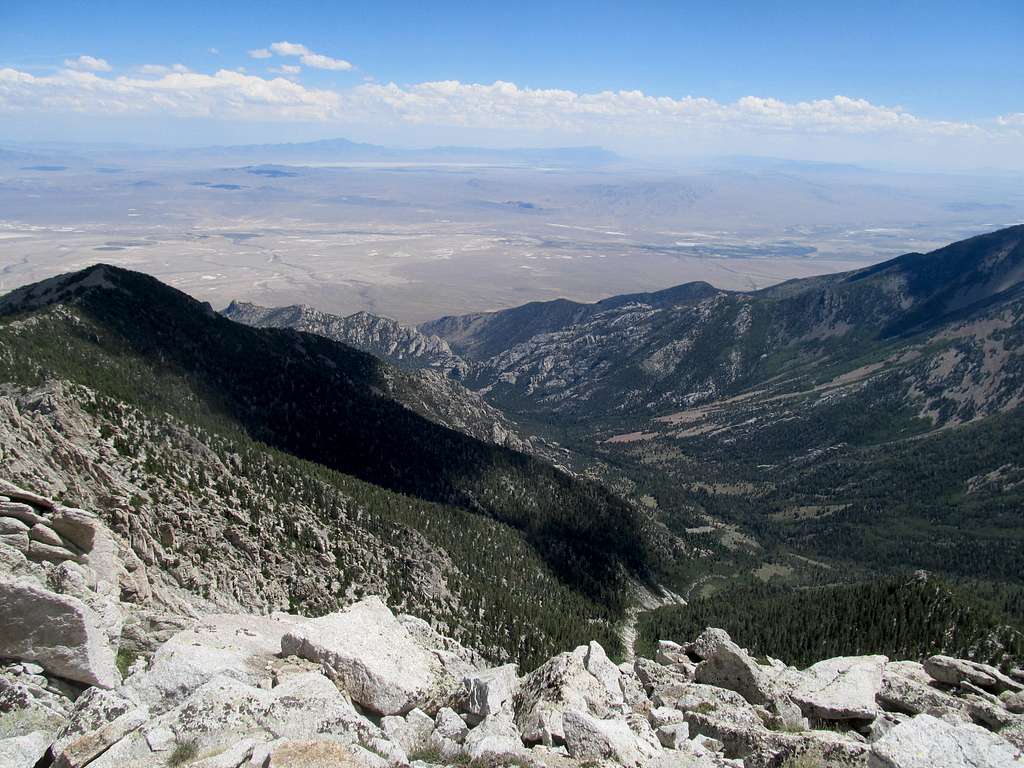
{"x": 125, "y": 659}
{"x": 427, "y": 754}
{"x": 809, "y": 759}
{"x": 499, "y": 761}
{"x": 775, "y": 725}
{"x": 183, "y": 752}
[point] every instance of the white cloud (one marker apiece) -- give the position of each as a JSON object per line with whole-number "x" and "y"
{"x": 225, "y": 94}
{"x": 289, "y": 49}
{"x": 287, "y": 69}
{"x": 617, "y": 118}
{"x": 507, "y": 106}
{"x": 1015, "y": 120}
{"x": 260, "y": 53}
{"x": 88, "y": 63}
{"x": 308, "y": 57}
{"x": 162, "y": 69}
{"x": 213, "y": 51}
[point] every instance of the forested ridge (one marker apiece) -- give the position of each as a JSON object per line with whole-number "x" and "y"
{"x": 905, "y": 618}
{"x": 319, "y": 407}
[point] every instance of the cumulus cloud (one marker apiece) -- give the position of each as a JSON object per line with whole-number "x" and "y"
{"x": 260, "y": 53}
{"x": 506, "y": 105}
{"x": 308, "y": 57}
{"x": 614, "y": 117}
{"x": 88, "y": 64}
{"x": 288, "y": 69}
{"x": 161, "y": 69}
{"x": 223, "y": 94}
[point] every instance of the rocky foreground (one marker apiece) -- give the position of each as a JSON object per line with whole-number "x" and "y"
{"x": 366, "y": 688}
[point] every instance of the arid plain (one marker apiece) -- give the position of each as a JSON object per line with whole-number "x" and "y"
{"x": 482, "y": 235}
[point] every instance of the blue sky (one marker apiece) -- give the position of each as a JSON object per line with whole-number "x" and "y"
{"x": 906, "y": 71}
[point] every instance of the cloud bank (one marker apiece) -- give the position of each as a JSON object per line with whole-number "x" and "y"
{"x": 450, "y": 104}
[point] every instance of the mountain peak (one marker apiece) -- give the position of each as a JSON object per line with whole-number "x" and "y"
{"x": 60, "y": 288}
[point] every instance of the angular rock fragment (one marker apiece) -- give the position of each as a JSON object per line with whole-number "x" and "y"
{"x": 59, "y": 632}
{"x": 843, "y": 688}
{"x": 946, "y": 669}
{"x": 374, "y": 658}
{"x": 928, "y": 742}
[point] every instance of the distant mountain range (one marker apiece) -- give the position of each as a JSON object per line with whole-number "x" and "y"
{"x": 690, "y": 345}
{"x": 818, "y": 415}
{"x": 439, "y": 396}
{"x": 323, "y": 151}
{"x": 336, "y": 150}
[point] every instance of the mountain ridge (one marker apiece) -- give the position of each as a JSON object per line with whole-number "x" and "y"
{"x": 566, "y": 311}
{"x": 139, "y": 344}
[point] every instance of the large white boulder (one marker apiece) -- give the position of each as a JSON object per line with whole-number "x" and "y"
{"x": 373, "y": 657}
{"x": 448, "y": 725}
{"x": 225, "y": 712}
{"x": 673, "y": 735}
{"x": 60, "y": 632}
{"x": 489, "y": 691}
{"x": 726, "y": 665}
{"x": 928, "y": 742}
{"x": 656, "y": 678}
{"x": 601, "y": 667}
{"x": 843, "y": 688}
{"x": 946, "y": 669}
{"x": 100, "y": 719}
{"x": 495, "y": 737}
{"x": 412, "y": 732}
{"x": 227, "y": 645}
{"x": 907, "y": 688}
{"x": 562, "y": 683}
{"x": 24, "y": 751}
{"x": 718, "y": 703}
{"x": 86, "y": 532}
{"x": 591, "y": 738}
{"x": 290, "y": 753}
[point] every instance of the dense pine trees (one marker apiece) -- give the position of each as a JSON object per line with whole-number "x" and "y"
{"x": 902, "y": 618}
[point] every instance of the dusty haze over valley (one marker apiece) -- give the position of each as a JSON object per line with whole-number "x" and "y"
{"x": 418, "y": 237}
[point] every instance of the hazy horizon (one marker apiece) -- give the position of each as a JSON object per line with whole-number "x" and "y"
{"x": 586, "y": 150}
{"x": 803, "y": 81}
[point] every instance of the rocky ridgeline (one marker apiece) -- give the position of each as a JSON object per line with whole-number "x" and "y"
{"x": 388, "y": 339}
{"x": 431, "y": 380}
{"x": 364, "y": 687}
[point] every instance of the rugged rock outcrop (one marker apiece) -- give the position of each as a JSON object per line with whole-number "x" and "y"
{"x": 363, "y": 687}
{"x": 563, "y": 683}
{"x": 844, "y": 688}
{"x": 373, "y": 657}
{"x": 958, "y": 671}
{"x": 58, "y": 631}
{"x": 400, "y": 344}
{"x": 59, "y": 586}
{"x": 928, "y": 742}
